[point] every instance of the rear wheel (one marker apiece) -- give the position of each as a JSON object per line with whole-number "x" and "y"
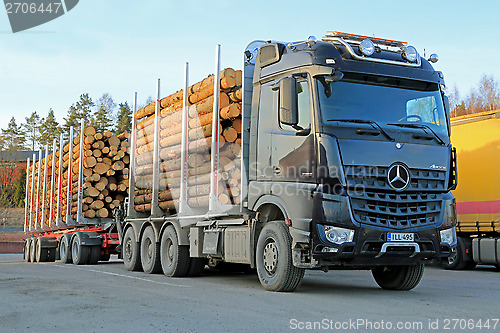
{"x": 33, "y": 250}
{"x": 398, "y": 277}
{"x": 274, "y": 259}
{"x": 27, "y": 249}
{"x": 150, "y": 252}
{"x": 79, "y": 253}
{"x": 175, "y": 259}
{"x": 95, "y": 254}
{"x": 130, "y": 251}
{"x": 65, "y": 249}
{"x": 41, "y": 254}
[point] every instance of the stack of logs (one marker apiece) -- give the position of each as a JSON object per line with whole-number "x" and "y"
{"x": 201, "y": 99}
{"x": 105, "y": 173}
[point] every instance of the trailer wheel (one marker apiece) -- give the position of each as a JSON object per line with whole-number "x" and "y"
{"x": 95, "y": 254}
{"x": 274, "y": 259}
{"x": 150, "y": 252}
{"x": 65, "y": 249}
{"x": 398, "y": 277}
{"x": 27, "y": 248}
{"x": 33, "y": 250}
{"x": 41, "y": 254}
{"x": 175, "y": 259}
{"x": 79, "y": 253}
{"x": 130, "y": 251}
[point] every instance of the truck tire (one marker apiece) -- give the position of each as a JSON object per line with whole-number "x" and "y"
{"x": 130, "y": 250}
{"x": 196, "y": 266}
{"x": 456, "y": 260}
{"x": 398, "y": 277}
{"x": 175, "y": 260}
{"x": 274, "y": 259}
{"x": 95, "y": 255}
{"x": 33, "y": 250}
{"x": 150, "y": 252}
{"x": 41, "y": 254}
{"x": 79, "y": 253}
{"x": 65, "y": 249}
{"x": 27, "y": 249}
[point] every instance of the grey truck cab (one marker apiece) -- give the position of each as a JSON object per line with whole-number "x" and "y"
{"x": 350, "y": 161}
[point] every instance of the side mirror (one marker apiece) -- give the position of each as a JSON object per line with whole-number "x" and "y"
{"x": 289, "y": 111}
{"x": 446, "y": 102}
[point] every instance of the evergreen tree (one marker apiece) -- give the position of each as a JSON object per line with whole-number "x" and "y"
{"x": 104, "y": 116}
{"x": 19, "y": 190}
{"x": 49, "y": 130}
{"x": 13, "y": 137}
{"x": 124, "y": 118}
{"x": 32, "y": 130}
{"x": 76, "y": 112}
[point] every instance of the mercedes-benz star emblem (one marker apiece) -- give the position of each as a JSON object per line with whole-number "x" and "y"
{"x": 398, "y": 177}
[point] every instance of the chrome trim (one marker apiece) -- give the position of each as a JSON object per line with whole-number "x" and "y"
{"x": 383, "y": 250}
{"x": 383, "y": 61}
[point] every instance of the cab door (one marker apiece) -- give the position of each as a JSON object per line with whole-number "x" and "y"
{"x": 292, "y": 148}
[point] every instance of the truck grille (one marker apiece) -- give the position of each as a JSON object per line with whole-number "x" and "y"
{"x": 375, "y": 203}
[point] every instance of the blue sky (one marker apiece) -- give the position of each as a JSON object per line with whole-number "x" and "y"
{"x": 122, "y": 46}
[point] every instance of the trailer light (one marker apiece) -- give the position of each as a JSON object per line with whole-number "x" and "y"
{"x": 338, "y": 235}
{"x": 367, "y": 47}
{"x": 410, "y": 53}
{"x": 448, "y": 236}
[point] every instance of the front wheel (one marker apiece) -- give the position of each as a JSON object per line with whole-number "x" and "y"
{"x": 274, "y": 259}
{"x": 398, "y": 277}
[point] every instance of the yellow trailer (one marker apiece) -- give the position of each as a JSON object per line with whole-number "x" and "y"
{"x": 477, "y": 140}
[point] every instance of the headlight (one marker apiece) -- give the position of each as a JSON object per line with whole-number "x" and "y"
{"x": 338, "y": 235}
{"x": 448, "y": 236}
{"x": 367, "y": 47}
{"x": 410, "y": 54}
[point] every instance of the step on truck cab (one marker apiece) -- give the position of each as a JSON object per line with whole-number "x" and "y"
{"x": 345, "y": 161}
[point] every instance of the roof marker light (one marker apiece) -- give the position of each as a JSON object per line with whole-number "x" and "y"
{"x": 433, "y": 58}
{"x": 367, "y": 47}
{"x": 410, "y": 53}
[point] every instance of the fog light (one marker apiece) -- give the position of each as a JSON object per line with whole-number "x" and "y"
{"x": 329, "y": 249}
{"x": 338, "y": 235}
{"x": 367, "y": 47}
{"x": 448, "y": 236}
{"x": 410, "y": 54}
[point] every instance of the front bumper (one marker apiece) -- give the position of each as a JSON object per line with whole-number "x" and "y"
{"x": 371, "y": 249}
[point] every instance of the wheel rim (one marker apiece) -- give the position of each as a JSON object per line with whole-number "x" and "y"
{"x": 75, "y": 251}
{"x": 128, "y": 249}
{"x": 169, "y": 246}
{"x": 270, "y": 257}
{"x": 149, "y": 249}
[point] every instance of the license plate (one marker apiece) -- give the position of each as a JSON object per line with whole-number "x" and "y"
{"x": 400, "y": 237}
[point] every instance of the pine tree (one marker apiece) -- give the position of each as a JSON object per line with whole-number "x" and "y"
{"x": 124, "y": 118}
{"x": 82, "y": 110}
{"x": 32, "y": 130}
{"x": 19, "y": 190}
{"x": 104, "y": 116}
{"x": 49, "y": 130}
{"x": 13, "y": 137}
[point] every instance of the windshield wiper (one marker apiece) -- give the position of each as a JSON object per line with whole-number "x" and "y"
{"x": 363, "y": 121}
{"x": 422, "y": 127}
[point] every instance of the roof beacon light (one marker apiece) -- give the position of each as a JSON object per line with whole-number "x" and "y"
{"x": 410, "y": 53}
{"x": 367, "y": 47}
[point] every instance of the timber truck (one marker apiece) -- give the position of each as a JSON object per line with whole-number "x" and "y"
{"x": 319, "y": 154}
{"x": 477, "y": 139}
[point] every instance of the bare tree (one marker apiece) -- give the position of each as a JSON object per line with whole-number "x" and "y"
{"x": 489, "y": 93}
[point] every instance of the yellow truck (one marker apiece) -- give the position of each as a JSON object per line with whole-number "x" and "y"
{"x": 477, "y": 140}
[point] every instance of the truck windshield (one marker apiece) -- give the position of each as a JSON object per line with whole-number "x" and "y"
{"x": 383, "y": 100}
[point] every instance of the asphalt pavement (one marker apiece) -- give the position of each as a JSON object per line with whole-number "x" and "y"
{"x": 55, "y": 297}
